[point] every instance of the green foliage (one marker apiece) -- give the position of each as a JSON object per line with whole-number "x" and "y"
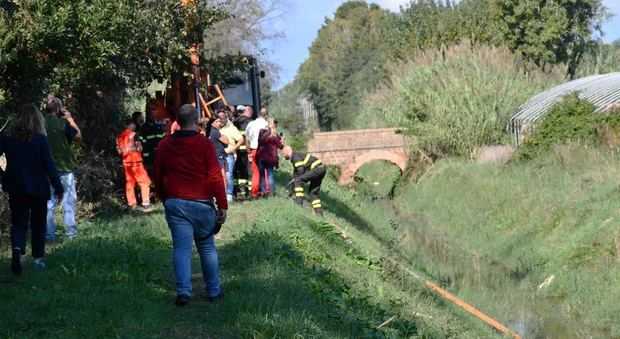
{"x": 603, "y": 58}
{"x": 352, "y": 54}
{"x": 90, "y": 52}
{"x": 440, "y": 24}
{"x": 572, "y": 120}
{"x": 453, "y": 101}
{"x": 346, "y": 60}
{"x": 285, "y": 108}
{"x": 377, "y": 179}
{"x": 68, "y": 45}
{"x": 496, "y": 233}
{"x": 549, "y": 32}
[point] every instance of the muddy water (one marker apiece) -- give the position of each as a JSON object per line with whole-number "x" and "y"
{"x": 502, "y": 292}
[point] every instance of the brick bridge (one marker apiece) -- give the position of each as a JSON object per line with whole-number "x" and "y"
{"x": 349, "y": 150}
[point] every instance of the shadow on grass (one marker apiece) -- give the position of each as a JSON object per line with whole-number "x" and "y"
{"x": 121, "y": 286}
{"x": 342, "y": 210}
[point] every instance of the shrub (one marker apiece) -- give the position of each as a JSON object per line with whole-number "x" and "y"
{"x": 456, "y": 101}
{"x": 572, "y": 120}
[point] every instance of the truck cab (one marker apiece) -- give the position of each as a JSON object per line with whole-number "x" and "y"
{"x": 242, "y": 87}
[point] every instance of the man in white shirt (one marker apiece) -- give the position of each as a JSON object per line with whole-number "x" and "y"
{"x": 251, "y": 133}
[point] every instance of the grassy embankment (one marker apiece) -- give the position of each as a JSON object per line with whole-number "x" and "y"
{"x": 286, "y": 274}
{"x": 536, "y": 243}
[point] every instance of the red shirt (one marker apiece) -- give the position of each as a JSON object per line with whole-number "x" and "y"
{"x": 268, "y": 146}
{"x": 186, "y": 167}
{"x": 128, "y": 148}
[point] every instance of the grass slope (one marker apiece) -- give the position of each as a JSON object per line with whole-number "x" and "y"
{"x": 535, "y": 244}
{"x": 286, "y": 274}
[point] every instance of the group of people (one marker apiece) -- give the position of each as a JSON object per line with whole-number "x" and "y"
{"x": 246, "y": 149}
{"x": 39, "y": 176}
{"x": 197, "y": 167}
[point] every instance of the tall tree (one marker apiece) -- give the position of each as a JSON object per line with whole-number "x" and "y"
{"x": 347, "y": 59}
{"x": 74, "y": 43}
{"x": 549, "y": 32}
{"x": 94, "y": 50}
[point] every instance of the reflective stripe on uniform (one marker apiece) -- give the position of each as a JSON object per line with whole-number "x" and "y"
{"x": 299, "y": 189}
{"x": 242, "y": 181}
{"x": 303, "y": 163}
{"x": 243, "y": 148}
{"x": 300, "y": 194}
{"x": 155, "y": 136}
{"x": 315, "y": 164}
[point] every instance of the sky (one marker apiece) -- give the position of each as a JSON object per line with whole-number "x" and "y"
{"x": 303, "y": 18}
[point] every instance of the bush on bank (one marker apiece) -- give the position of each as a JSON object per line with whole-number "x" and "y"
{"x": 572, "y": 120}
{"x": 456, "y": 101}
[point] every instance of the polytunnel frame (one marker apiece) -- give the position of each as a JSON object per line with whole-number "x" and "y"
{"x": 601, "y": 90}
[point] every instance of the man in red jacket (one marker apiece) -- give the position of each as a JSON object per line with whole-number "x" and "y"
{"x": 189, "y": 181}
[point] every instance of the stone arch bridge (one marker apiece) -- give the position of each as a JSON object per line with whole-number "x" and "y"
{"x": 350, "y": 150}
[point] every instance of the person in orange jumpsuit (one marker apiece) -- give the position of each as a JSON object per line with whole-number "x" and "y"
{"x": 131, "y": 152}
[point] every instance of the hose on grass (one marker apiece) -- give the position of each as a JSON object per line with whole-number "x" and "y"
{"x": 442, "y": 293}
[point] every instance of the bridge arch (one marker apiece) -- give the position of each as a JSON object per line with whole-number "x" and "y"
{"x": 350, "y": 150}
{"x": 397, "y": 158}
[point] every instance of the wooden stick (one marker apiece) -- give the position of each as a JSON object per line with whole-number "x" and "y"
{"x": 221, "y": 94}
{"x": 205, "y": 106}
{"x": 385, "y": 323}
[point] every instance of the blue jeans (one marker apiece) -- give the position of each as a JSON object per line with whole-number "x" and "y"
{"x": 69, "y": 202}
{"x": 230, "y": 178}
{"x": 189, "y": 221}
{"x": 267, "y": 180}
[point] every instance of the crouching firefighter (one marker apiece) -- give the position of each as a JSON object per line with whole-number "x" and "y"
{"x": 307, "y": 169}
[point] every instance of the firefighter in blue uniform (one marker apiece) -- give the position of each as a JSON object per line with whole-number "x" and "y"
{"x": 309, "y": 170}
{"x": 151, "y": 133}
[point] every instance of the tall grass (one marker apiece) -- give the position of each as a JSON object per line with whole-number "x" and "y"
{"x": 456, "y": 100}
{"x": 497, "y": 233}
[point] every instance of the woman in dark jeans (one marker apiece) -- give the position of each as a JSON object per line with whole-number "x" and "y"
{"x": 27, "y": 178}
